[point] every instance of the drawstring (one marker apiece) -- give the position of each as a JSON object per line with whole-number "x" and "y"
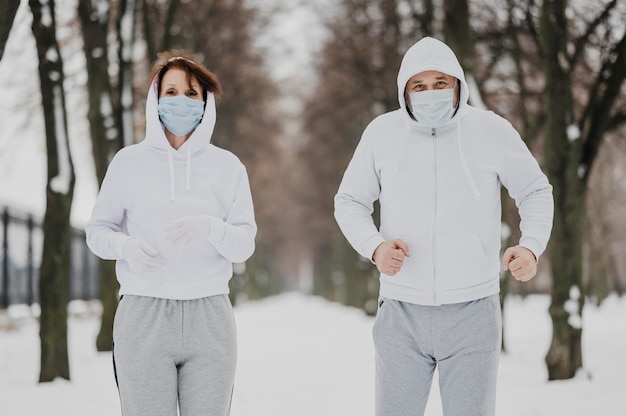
{"x": 170, "y": 159}
{"x": 188, "y": 167}
{"x": 468, "y": 173}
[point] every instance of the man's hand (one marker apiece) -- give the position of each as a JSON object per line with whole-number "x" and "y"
{"x": 390, "y": 255}
{"x": 521, "y": 262}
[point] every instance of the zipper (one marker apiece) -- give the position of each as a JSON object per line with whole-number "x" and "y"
{"x": 434, "y": 222}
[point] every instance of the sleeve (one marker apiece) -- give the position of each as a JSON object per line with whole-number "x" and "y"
{"x": 529, "y": 187}
{"x": 104, "y": 230}
{"x": 354, "y": 201}
{"x": 234, "y": 238}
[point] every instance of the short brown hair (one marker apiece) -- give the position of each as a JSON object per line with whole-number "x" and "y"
{"x": 183, "y": 61}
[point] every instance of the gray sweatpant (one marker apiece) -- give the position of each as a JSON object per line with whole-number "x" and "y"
{"x": 463, "y": 340}
{"x": 170, "y": 353}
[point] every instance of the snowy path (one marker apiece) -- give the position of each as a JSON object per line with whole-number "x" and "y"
{"x": 303, "y": 356}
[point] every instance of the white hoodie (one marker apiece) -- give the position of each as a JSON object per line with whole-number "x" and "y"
{"x": 150, "y": 184}
{"x": 439, "y": 191}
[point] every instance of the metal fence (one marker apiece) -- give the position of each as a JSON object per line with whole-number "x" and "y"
{"x": 20, "y": 258}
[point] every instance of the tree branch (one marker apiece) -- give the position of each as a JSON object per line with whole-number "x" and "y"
{"x": 584, "y": 38}
{"x": 607, "y": 89}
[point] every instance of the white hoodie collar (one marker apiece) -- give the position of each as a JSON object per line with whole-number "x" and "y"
{"x": 430, "y": 54}
{"x": 197, "y": 142}
{"x": 155, "y": 134}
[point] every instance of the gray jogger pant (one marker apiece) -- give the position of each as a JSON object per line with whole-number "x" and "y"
{"x": 175, "y": 353}
{"x": 463, "y": 340}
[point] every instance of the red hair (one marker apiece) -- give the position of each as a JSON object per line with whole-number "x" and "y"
{"x": 181, "y": 60}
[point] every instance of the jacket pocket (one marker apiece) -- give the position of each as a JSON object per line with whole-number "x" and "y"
{"x": 417, "y": 270}
{"x": 462, "y": 264}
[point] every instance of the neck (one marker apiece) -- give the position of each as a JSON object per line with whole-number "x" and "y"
{"x": 176, "y": 141}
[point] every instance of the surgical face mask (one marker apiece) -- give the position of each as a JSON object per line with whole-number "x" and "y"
{"x": 433, "y": 108}
{"x": 180, "y": 114}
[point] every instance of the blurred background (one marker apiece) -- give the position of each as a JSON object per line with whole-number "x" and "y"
{"x": 301, "y": 81}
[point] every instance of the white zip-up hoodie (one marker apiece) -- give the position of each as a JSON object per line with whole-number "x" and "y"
{"x": 150, "y": 184}
{"x": 439, "y": 191}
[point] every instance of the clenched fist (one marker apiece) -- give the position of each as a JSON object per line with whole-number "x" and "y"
{"x": 390, "y": 255}
{"x": 521, "y": 262}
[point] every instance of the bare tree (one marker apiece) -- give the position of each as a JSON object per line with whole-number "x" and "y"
{"x": 55, "y": 263}
{"x": 110, "y": 113}
{"x": 556, "y": 71}
{"x": 357, "y": 71}
{"x": 574, "y": 133}
{"x": 605, "y": 223}
{"x": 8, "y": 9}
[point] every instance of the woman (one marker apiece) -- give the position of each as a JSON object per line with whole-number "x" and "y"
{"x": 175, "y": 212}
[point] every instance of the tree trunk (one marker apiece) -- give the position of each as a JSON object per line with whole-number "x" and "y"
{"x": 458, "y": 33}
{"x": 107, "y": 131}
{"x": 322, "y": 271}
{"x": 54, "y": 288}
{"x": 55, "y": 264}
{"x": 123, "y": 103}
{"x": 564, "y": 357}
{"x": 8, "y": 9}
{"x": 562, "y": 163}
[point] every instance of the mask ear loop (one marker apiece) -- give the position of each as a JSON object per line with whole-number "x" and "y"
{"x": 457, "y": 95}
{"x": 406, "y": 104}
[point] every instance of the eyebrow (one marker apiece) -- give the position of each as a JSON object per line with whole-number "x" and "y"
{"x": 440, "y": 77}
{"x": 170, "y": 85}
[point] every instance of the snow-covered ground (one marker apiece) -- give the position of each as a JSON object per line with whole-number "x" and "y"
{"x": 301, "y": 356}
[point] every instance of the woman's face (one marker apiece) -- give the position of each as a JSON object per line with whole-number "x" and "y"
{"x": 174, "y": 83}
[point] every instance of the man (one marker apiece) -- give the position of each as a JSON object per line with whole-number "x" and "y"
{"x": 436, "y": 165}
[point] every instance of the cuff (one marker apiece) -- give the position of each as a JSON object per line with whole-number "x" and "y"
{"x": 217, "y": 230}
{"x": 370, "y": 246}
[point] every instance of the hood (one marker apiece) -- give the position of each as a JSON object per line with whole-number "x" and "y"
{"x": 199, "y": 140}
{"x": 430, "y": 54}
{"x": 155, "y": 134}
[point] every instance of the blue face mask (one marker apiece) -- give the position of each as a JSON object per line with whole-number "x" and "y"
{"x": 180, "y": 114}
{"x": 433, "y": 108}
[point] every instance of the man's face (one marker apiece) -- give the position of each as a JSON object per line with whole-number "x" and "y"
{"x": 430, "y": 80}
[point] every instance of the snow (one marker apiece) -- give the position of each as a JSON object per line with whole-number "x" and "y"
{"x": 302, "y": 355}
{"x": 573, "y": 132}
{"x": 572, "y": 307}
{"x": 62, "y": 182}
{"x": 298, "y": 355}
